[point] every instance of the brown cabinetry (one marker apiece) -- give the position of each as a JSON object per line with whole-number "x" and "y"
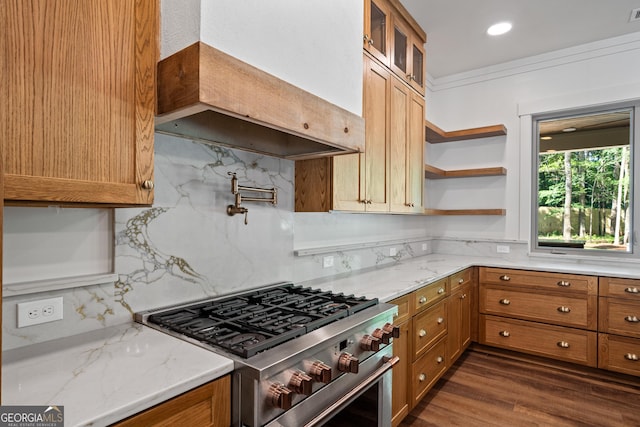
{"x": 389, "y": 175}
{"x": 541, "y": 313}
{"x": 79, "y": 114}
{"x": 425, "y": 314}
{"x": 619, "y": 325}
{"x": 207, "y": 406}
{"x": 407, "y": 58}
{"x": 401, "y": 348}
{"x": 460, "y": 311}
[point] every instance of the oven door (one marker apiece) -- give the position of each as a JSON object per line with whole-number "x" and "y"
{"x": 365, "y": 395}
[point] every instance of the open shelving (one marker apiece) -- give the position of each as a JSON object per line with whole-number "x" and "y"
{"x": 435, "y": 135}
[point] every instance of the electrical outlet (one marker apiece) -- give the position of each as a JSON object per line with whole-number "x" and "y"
{"x": 327, "y": 261}
{"x": 40, "y": 311}
{"x": 393, "y": 252}
{"x": 503, "y": 249}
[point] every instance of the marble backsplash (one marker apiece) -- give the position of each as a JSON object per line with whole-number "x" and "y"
{"x": 186, "y": 247}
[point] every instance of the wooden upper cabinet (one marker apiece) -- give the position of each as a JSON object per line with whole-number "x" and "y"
{"x": 80, "y": 105}
{"x": 407, "y": 54}
{"x": 377, "y": 30}
{"x": 407, "y": 148}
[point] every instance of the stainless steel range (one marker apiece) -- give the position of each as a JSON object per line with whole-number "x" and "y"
{"x": 301, "y": 355}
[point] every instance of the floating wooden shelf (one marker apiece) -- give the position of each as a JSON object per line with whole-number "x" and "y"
{"x": 432, "y": 172}
{"x": 499, "y": 212}
{"x": 435, "y": 135}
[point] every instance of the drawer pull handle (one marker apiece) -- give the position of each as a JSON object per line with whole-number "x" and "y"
{"x": 422, "y": 300}
{"x": 632, "y": 291}
{"x": 505, "y": 301}
{"x": 564, "y": 284}
{"x": 504, "y": 333}
{"x": 563, "y": 344}
{"x": 632, "y": 319}
{"x": 505, "y": 278}
{"x": 440, "y": 320}
{"x": 460, "y": 281}
{"x": 441, "y": 291}
{"x": 422, "y": 377}
{"x": 422, "y": 333}
{"x": 632, "y": 357}
{"x": 564, "y": 309}
{"x": 440, "y": 359}
{"x": 463, "y": 296}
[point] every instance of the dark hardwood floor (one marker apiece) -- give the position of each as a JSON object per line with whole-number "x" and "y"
{"x": 485, "y": 389}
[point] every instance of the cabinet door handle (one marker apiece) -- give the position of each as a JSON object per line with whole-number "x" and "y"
{"x": 440, "y": 320}
{"x": 422, "y": 333}
{"x": 460, "y": 281}
{"x": 564, "y": 309}
{"x": 563, "y": 344}
{"x": 632, "y": 357}
{"x": 440, "y": 291}
{"x": 439, "y": 359}
{"x": 463, "y": 296}
{"x": 504, "y": 333}
{"x": 564, "y": 284}
{"x": 505, "y": 278}
{"x": 147, "y": 184}
{"x": 632, "y": 319}
{"x": 505, "y": 301}
{"x": 422, "y": 300}
{"x": 422, "y": 377}
{"x": 633, "y": 290}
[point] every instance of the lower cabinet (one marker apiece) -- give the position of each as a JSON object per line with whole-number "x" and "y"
{"x": 427, "y": 326}
{"x": 206, "y": 406}
{"x": 619, "y": 325}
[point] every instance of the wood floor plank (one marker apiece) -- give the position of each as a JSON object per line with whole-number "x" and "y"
{"x": 488, "y": 389}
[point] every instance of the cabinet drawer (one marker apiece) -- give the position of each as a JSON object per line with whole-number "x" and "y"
{"x": 428, "y": 327}
{"x": 571, "y": 345}
{"x": 577, "y": 312}
{"x": 628, "y": 289}
{"x": 430, "y": 294}
{"x": 461, "y": 278}
{"x": 569, "y": 283}
{"x": 619, "y": 354}
{"x": 427, "y": 370}
{"x": 404, "y": 308}
{"x": 620, "y": 317}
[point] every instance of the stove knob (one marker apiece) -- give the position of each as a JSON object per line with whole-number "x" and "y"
{"x": 392, "y": 329}
{"x": 320, "y": 372}
{"x": 348, "y": 363}
{"x": 280, "y": 396}
{"x": 369, "y": 343}
{"x": 301, "y": 383}
{"x": 382, "y": 335}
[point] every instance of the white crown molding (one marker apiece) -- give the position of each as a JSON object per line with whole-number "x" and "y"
{"x": 556, "y": 58}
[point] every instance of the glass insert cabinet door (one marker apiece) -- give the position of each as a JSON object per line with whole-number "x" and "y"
{"x": 377, "y": 30}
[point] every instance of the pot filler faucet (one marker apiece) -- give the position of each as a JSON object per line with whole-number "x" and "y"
{"x": 236, "y": 189}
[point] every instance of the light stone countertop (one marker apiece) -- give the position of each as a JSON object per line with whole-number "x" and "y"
{"x": 104, "y": 376}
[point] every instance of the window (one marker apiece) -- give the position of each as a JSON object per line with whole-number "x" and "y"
{"x": 584, "y": 181}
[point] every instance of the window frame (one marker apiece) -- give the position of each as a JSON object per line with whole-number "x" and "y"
{"x": 634, "y": 182}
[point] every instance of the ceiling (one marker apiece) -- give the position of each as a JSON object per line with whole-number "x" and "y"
{"x": 457, "y": 39}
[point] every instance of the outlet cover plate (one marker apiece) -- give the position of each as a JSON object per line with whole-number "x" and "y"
{"x": 39, "y": 311}
{"x": 327, "y": 261}
{"x": 503, "y": 249}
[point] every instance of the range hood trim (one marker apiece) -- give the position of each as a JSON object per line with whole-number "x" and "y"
{"x": 281, "y": 119}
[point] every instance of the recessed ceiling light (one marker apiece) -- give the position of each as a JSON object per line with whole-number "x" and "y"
{"x": 499, "y": 28}
{"x": 546, "y": 138}
{"x": 569, "y": 130}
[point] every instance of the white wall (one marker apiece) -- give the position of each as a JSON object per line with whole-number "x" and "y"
{"x": 601, "y": 72}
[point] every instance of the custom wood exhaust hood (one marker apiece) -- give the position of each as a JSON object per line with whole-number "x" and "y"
{"x": 208, "y": 95}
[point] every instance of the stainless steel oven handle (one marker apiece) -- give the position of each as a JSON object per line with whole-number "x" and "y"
{"x": 388, "y": 364}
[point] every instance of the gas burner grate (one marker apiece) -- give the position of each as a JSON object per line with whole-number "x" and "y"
{"x": 258, "y": 320}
